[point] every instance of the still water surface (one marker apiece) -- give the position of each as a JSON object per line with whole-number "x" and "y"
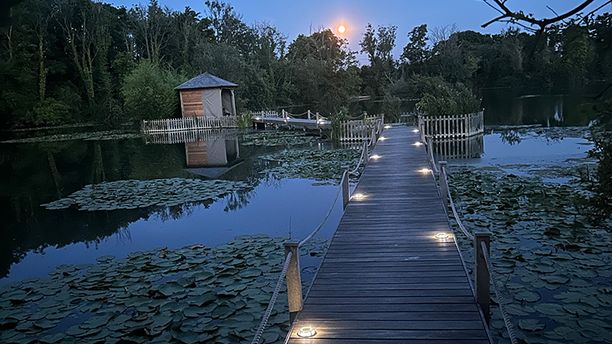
{"x": 34, "y": 241}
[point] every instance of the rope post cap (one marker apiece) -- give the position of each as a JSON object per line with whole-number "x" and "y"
{"x": 442, "y": 162}
{"x": 288, "y": 244}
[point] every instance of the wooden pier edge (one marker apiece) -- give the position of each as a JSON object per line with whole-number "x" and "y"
{"x": 385, "y": 276}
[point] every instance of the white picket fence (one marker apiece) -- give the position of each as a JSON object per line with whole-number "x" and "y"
{"x": 451, "y": 126}
{"x": 362, "y": 129}
{"x": 188, "y": 123}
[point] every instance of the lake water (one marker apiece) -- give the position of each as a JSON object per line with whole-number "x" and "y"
{"x": 36, "y": 240}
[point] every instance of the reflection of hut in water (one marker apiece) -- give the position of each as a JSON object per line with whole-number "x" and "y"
{"x": 207, "y": 96}
{"x": 459, "y": 148}
{"x": 212, "y": 157}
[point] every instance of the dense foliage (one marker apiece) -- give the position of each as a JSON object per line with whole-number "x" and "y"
{"x": 148, "y": 91}
{"x": 67, "y": 61}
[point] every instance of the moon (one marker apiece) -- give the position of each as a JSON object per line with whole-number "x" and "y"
{"x": 341, "y": 28}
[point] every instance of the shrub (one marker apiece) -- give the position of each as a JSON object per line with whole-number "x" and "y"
{"x": 50, "y": 112}
{"x": 440, "y": 97}
{"x": 148, "y": 92}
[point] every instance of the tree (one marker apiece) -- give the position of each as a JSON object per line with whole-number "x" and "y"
{"x": 323, "y": 71}
{"x": 86, "y": 29}
{"x": 148, "y": 91}
{"x": 153, "y": 25}
{"x": 415, "y": 51}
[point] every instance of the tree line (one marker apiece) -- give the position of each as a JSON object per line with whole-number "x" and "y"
{"x": 72, "y": 61}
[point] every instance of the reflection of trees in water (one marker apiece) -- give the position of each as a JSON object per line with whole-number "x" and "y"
{"x": 70, "y": 166}
{"x": 511, "y": 137}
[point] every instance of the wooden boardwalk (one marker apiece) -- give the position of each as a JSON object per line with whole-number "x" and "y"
{"x": 385, "y": 277}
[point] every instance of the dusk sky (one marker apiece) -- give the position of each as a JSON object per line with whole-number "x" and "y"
{"x": 296, "y": 17}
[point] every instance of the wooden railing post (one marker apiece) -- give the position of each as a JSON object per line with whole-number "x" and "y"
{"x": 308, "y": 114}
{"x": 294, "y": 280}
{"x": 346, "y": 196}
{"x": 443, "y": 184}
{"x": 482, "y": 272}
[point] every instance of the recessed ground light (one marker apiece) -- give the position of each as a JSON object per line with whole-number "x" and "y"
{"x": 306, "y": 332}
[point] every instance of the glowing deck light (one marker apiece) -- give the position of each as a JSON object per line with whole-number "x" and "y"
{"x": 424, "y": 170}
{"x": 258, "y": 118}
{"x": 375, "y": 157}
{"x": 359, "y": 196}
{"x": 306, "y": 332}
{"x": 415, "y": 130}
{"x": 418, "y": 144}
{"x": 382, "y": 138}
{"x": 443, "y": 236}
{"x": 387, "y": 126}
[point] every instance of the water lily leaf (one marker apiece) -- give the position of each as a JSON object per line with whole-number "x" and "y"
{"x": 555, "y": 279}
{"x": 531, "y": 324}
{"x": 527, "y": 296}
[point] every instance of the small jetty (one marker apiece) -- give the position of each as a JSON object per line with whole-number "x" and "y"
{"x": 307, "y": 120}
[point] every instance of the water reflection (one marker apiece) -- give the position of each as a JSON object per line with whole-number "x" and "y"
{"x": 35, "y": 240}
{"x": 502, "y": 107}
{"x": 459, "y": 148}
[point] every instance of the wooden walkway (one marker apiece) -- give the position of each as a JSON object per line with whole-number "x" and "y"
{"x": 385, "y": 277}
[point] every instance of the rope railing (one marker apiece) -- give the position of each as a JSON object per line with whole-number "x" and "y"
{"x": 500, "y": 300}
{"x": 362, "y": 157}
{"x": 481, "y": 243}
{"x": 429, "y": 144}
{"x": 316, "y": 230}
{"x": 293, "y": 252}
{"x": 266, "y": 317}
{"x": 444, "y": 180}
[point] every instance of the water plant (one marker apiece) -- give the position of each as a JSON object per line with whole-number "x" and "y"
{"x": 132, "y": 194}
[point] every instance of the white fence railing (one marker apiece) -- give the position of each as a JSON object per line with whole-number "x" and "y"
{"x": 451, "y": 126}
{"x": 188, "y": 123}
{"x": 359, "y": 130}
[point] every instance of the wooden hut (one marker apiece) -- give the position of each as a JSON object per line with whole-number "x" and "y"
{"x": 207, "y": 96}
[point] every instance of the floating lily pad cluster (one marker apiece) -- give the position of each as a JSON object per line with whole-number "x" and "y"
{"x": 132, "y": 194}
{"x": 313, "y": 164}
{"x": 278, "y": 138}
{"x": 88, "y": 136}
{"x": 552, "y": 264}
{"x": 190, "y": 295}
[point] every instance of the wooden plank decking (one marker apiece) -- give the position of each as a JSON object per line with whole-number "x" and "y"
{"x": 385, "y": 278}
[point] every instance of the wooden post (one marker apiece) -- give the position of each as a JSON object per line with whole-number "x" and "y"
{"x": 308, "y": 114}
{"x": 443, "y": 185}
{"x": 294, "y": 280}
{"x": 481, "y": 275}
{"x": 345, "y": 189}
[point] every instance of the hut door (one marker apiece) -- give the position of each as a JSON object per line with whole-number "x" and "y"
{"x": 212, "y": 103}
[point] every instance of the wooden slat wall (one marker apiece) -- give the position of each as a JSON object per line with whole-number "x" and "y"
{"x": 191, "y": 103}
{"x": 385, "y": 278}
{"x": 196, "y": 153}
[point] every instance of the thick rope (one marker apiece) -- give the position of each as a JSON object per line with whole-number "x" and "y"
{"x": 364, "y": 152}
{"x": 324, "y": 220}
{"x": 264, "y": 321}
{"x": 429, "y": 144}
{"x": 500, "y": 300}
{"x": 455, "y": 213}
{"x": 362, "y": 158}
{"x": 279, "y": 284}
